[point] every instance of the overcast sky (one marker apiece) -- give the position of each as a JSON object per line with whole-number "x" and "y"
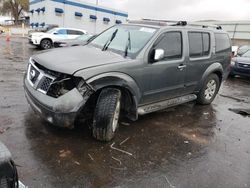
{"x": 182, "y": 9}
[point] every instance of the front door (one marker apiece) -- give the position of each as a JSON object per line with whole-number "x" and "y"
{"x": 167, "y": 75}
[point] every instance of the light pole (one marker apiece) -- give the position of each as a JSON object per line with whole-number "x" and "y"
{"x": 96, "y": 2}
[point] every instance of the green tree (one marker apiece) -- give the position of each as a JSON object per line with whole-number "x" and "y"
{"x": 14, "y": 8}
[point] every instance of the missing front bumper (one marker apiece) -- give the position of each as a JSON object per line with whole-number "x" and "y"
{"x": 60, "y": 111}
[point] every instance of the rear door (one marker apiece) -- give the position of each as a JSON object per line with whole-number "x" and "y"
{"x": 72, "y": 34}
{"x": 167, "y": 75}
{"x": 200, "y": 57}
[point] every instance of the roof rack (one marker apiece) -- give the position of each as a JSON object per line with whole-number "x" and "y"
{"x": 205, "y": 25}
{"x": 173, "y": 23}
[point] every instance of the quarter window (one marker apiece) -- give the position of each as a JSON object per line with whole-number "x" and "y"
{"x": 199, "y": 44}
{"x": 171, "y": 43}
{"x": 222, "y": 42}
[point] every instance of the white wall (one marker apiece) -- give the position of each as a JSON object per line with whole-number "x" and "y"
{"x": 68, "y": 18}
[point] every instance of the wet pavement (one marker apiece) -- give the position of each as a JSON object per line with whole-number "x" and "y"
{"x": 185, "y": 146}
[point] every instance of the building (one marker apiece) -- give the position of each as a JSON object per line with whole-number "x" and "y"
{"x": 74, "y": 13}
{"x": 239, "y": 31}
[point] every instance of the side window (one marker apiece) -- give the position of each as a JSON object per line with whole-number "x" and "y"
{"x": 195, "y": 44}
{"x": 70, "y": 32}
{"x": 61, "y": 31}
{"x": 199, "y": 44}
{"x": 74, "y": 32}
{"x": 206, "y": 43}
{"x": 222, "y": 42}
{"x": 79, "y": 33}
{"x": 171, "y": 43}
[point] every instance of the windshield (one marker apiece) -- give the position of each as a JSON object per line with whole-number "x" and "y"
{"x": 243, "y": 49}
{"x": 116, "y": 38}
{"x": 51, "y": 31}
{"x": 83, "y": 37}
{"x": 246, "y": 54}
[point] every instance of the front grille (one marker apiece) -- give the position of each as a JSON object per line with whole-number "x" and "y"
{"x": 40, "y": 79}
{"x": 49, "y": 82}
{"x": 45, "y": 84}
{"x": 243, "y": 65}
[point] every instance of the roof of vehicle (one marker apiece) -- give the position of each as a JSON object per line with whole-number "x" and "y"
{"x": 170, "y": 23}
{"x": 69, "y": 28}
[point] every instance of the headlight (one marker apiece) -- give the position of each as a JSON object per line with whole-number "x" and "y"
{"x": 63, "y": 84}
{"x": 84, "y": 89}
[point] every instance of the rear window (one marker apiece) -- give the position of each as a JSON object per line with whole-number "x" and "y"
{"x": 199, "y": 44}
{"x": 222, "y": 42}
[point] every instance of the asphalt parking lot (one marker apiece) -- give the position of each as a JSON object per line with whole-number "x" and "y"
{"x": 189, "y": 146}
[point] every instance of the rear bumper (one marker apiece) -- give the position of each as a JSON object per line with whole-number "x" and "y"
{"x": 60, "y": 111}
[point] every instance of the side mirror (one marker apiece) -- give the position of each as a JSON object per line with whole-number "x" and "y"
{"x": 158, "y": 55}
{"x": 56, "y": 33}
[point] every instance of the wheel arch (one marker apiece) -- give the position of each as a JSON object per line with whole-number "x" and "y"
{"x": 215, "y": 68}
{"x": 130, "y": 91}
{"x": 46, "y": 38}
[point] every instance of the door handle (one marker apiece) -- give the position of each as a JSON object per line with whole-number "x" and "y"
{"x": 181, "y": 67}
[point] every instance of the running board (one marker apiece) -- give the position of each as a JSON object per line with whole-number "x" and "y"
{"x": 165, "y": 104}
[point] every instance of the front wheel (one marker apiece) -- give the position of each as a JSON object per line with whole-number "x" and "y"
{"x": 46, "y": 44}
{"x": 209, "y": 89}
{"x": 107, "y": 114}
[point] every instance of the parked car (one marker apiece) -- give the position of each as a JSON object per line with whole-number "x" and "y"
{"x": 130, "y": 69}
{"x": 240, "y": 64}
{"x": 81, "y": 40}
{"x": 8, "y": 171}
{"x": 45, "y": 28}
{"x": 46, "y": 40}
{"x": 242, "y": 49}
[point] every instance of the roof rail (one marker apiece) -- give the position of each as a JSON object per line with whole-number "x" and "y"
{"x": 205, "y": 25}
{"x": 167, "y": 22}
{"x": 173, "y": 23}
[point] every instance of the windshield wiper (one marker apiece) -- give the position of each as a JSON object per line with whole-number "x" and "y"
{"x": 106, "y": 45}
{"x": 128, "y": 45}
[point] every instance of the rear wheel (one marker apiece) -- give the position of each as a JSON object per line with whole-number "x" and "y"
{"x": 107, "y": 114}
{"x": 46, "y": 44}
{"x": 209, "y": 89}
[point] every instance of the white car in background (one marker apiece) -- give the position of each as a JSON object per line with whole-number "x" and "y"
{"x": 46, "y": 40}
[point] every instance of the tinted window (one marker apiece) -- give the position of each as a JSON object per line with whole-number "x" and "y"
{"x": 62, "y": 31}
{"x": 206, "y": 43}
{"x": 74, "y": 32}
{"x": 171, "y": 43}
{"x": 195, "y": 44}
{"x": 222, "y": 42}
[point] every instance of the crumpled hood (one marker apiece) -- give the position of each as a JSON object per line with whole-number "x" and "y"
{"x": 245, "y": 60}
{"x": 69, "y": 60}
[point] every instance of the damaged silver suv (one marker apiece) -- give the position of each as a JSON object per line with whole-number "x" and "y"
{"x": 130, "y": 70}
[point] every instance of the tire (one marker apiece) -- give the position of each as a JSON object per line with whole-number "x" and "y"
{"x": 209, "y": 90}
{"x": 46, "y": 44}
{"x": 106, "y": 115}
